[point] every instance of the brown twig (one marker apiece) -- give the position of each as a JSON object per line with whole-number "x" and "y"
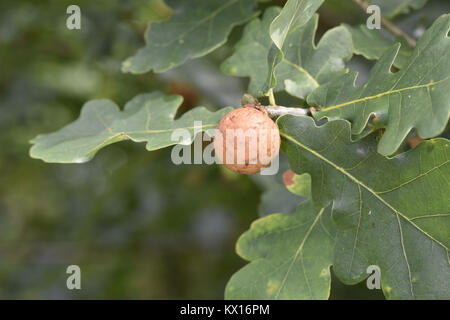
{"x": 389, "y": 25}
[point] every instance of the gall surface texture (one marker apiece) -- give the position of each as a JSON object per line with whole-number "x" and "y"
{"x": 246, "y": 140}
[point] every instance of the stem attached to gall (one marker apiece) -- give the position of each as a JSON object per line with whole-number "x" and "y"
{"x": 278, "y": 111}
{"x": 272, "y": 110}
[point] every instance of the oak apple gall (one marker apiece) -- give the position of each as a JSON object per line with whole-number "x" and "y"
{"x": 247, "y": 140}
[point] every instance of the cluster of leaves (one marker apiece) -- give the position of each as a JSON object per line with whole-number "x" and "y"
{"x": 367, "y": 203}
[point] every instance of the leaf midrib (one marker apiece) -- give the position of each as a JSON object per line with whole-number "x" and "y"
{"x": 432, "y": 83}
{"x": 126, "y": 136}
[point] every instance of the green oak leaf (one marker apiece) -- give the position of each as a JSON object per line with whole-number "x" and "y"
{"x": 196, "y": 28}
{"x": 298, "y": 184}
{"x": 146, "y": 118}
{"x": 250, "y": 53}
{"x": 302, "y": 66}
{"x": 371, "y": 44}
{"x": 391, "y": 8}
{"x": 276, "y": 198}
{"x": 295, "y": 14}
{"x": 285, "y": 197}
{"x": 152, "y": 11}
{"x": 389, "y": 212}
{"x": 290, "y": 256}
{"x": 416, "y": 96}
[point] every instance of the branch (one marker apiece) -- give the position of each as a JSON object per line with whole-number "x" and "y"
{"x": 272, "y": 110}
{"x": 278, "y": 111}
{"x": 389, "y": 25}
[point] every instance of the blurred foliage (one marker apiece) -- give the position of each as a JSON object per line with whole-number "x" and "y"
{"x": 137, "y": 225}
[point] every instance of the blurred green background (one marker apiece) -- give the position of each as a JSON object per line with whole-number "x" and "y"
{"x": 139, "y": 226}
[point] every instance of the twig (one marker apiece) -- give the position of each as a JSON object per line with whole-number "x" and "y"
{"x": 389, "y": 25}
{"x": 272, "y": 110}
{"x": 278, "y": 111}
